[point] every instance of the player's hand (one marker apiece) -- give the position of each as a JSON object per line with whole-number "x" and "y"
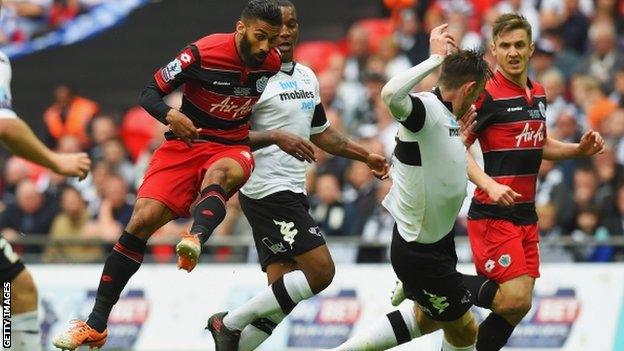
{"x": 467, "y": 122}
{"x": 440, "y": 41}
{"x": 297, "y": 147}
{"x": 72, "y": 165}
{"x": 182, "y": 126}
{"x": 591, "y": 143}
{"x": 378, "y": 165}
{"x": 502, "y": 194}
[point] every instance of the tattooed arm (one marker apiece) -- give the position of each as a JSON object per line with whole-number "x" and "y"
{"x": 335, "y": 143}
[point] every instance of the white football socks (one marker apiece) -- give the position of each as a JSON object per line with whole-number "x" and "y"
{"x": 251, "y": 337}
{"x": 395, "y": 328}
{"x": 25, "y": 335}
{"x": 283, "y": 295}
{"x": 446, "y": 346}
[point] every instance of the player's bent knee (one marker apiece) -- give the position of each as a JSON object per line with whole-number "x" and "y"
{"x": 515, "y": 304}
{"x": 144, "y": 220}
{"x": 322, "y": 275}
{"x": 460, "y": 334}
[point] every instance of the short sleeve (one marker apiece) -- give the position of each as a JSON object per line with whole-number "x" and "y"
{"x": 182, "y": 68}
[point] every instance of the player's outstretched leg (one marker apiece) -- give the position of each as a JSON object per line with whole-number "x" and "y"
{"x": 395, "y": 328}
{"x": 225, "y": 174}
{"x": 121, "y": 264}
{"x": 280, "y": 298}
{"x": 259, "y": 330}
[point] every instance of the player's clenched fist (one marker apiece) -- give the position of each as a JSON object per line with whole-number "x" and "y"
{"x": 182, "y": 126}
{"x": 502, "y": 194}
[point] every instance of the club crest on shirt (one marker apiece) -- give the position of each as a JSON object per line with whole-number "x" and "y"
{"x": 261, "y": 83}
{"x": 542, "y": 109}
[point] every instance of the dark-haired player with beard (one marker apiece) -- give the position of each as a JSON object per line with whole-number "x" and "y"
{"x": 206, "y": 155}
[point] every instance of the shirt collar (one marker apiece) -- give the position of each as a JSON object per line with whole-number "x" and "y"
{"x": 500, "y": 77}
{"x": 288, "y": 67}
{"x": 438, "y": 94}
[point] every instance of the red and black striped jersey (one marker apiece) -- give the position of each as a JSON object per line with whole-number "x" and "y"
{"x": 511, "y": 128}
{"x": 220, "y": 90}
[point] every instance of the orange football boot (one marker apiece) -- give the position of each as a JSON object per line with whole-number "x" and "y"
{"x": 79, "y": 334}
{"x": 188, "y": 250}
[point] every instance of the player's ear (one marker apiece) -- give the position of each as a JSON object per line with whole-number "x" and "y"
{"x": 470, "y": 87}
{"x": 493, "y": 47}
{"x": 531, "y": 47}
{"x": 240, "y": 27}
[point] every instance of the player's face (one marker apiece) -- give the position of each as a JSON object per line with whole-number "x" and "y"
{"x": 289, "y": 33}
{"x": 512, "y": 50}
{"x": 470, "y": 92}
{"x": 258, "y": 38}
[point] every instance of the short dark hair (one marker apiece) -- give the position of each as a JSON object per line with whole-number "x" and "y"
{"x": 265, "y": 10}
{"x": 285, "y": 3}
{"x": 511, "y": 21}
{"x": 462, "y": 67}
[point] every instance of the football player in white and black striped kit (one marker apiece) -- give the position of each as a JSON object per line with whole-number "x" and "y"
{"x": 291, "y": 248}
{"x": 17, "y": 137}
{"x": 429, "y": 174}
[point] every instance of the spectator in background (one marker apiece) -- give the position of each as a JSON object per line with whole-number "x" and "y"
{"x": 378, "y": 228}
{"x": 360, "y": 194}
{"x": 394, "y": 61}
{"x": 387, "y": 128}
{"x": 114, "y": 212}
{"x": 31, "y": 214}
{"x": 68, "y": 115}
{"x": 359, "y": 52}
{"x": 617, "y": 95}
{"x": 553, "y": 82}
{"x": 70, "y": 223}
{"x": 327, "y": 208}
{"x": 570, "y": 201}
{"x": 550, "y": 232}
{"x": 548, "y": 178}
{"x": 412, "y": 38}
{"x": 542, "y": 59}
{"x": 588, "y": 227}
{"x": 102, "y": 128}
{"x": 602, "y": 59}
{"x": 570, "y": 22}
{"x": 467, "y": 39}
{"x": 114, "y": 154}
{"x": 610, "y": 175}
{"x": 615, "y": 133}
{"x": 590, "y": 97}
{"x": 615, "y": 220}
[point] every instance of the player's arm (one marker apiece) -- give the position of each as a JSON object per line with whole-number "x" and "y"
{"x": 591, "y": 143}
{"x": 501, "y": 194}
{"x": 395, "y": 93}
{"x": 18, "y": 138}
{"x": 165, "y": 80}
{"x": 290, "y": 143}
{"x": 332, "y": 141}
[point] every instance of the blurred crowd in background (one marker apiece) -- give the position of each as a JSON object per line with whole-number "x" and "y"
{"x": 23, "y": 20}
{"x": 578, "y": 58}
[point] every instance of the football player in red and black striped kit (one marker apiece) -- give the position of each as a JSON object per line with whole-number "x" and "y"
{"x": 206, "y": 155}
{"x": 502, "y": 222}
